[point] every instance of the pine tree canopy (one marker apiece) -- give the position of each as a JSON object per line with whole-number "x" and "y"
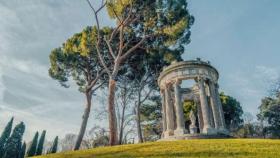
{"x": 14, "y": 143}
{"x": 53, "y": 148}
{"x": 76, "y": 59}
{"x": 22, "y": 151}
{"x": 40, "y": 147}
{"x": 5, "y": 136}
{"x": 33, "y": 147}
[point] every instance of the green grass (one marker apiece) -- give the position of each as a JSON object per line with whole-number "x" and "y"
{"x": 203, "y": 148}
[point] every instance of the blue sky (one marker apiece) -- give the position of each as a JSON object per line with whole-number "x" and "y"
{"x": 240, "y": 38}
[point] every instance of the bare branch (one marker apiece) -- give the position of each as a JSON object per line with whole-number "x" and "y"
{"x": 114, "y": 32}
{"x": 101, "y": 84}
{"x": 102, "y": 6}
{"x": 99, "y": 9}
{"x": 93, "y": 82}
{"x": 110, "y": 49}
{"x": 146, "y": 97}
{"x": 127, "y": 19}
{"x": 121, "y": 37}
{"x": 98, "y": 35}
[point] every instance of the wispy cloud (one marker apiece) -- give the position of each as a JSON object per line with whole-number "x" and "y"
{"x": 224, "y": 32}
{"x": 28, "y": 31}
{"x": 250, "y": 86}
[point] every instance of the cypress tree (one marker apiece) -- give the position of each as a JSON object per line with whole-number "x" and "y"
{"x": 13, "y": 146}
{"x": 5, "y": 136}
{"x": 33, "y": 147}
{"x": 22, "y": 151}
{"x": 53, "y": 149}
{"x": 40, "y": 146}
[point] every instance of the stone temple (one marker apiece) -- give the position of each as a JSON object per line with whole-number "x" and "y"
{"x": 207, "y": 121}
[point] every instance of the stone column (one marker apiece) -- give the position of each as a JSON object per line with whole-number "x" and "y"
{"x": 169, "y": 113}
{"x": 207, "y": 129}
{"x": 180, "y": 130}
{"x": 163, "y": 108}
{"x": 214, "y": 105}
{"x": 199, "y": 116}
{"x": 220, "y": 107}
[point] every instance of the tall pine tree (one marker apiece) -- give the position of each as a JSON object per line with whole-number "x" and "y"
{"x": 5, "y": 136}
{"x": 33, "y": 147}
{"x": 40, "y": 146}
{"x": 53, "y": 148}
{"x": 13, "y": 146}
{"x": 22, "y": 151}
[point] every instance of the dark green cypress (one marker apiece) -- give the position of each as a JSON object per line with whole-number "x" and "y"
{"x": 53, "y": 149}
{"x": 40, "y": 146}
{"x": 13, "y": 146}
{"x": 22, "y": 151}
{"x": 5, "y": 136}
{"x": 33, "y": 147}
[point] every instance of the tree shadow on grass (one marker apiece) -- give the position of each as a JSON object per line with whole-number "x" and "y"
{"x": 206, "y": 154}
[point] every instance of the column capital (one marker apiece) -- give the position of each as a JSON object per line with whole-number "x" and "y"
{"x": 177, "y": 82}
{"x": 167, "y": 86}
{"x": 162, "y": 89}
{"x": 200, "y": 79}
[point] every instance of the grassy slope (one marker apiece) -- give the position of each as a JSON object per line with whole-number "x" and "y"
{"x": 220, "y": 148}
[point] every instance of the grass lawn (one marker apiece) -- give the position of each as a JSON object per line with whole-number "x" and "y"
{"x": 203, "y": 148}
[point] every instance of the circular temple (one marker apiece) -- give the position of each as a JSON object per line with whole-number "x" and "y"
{"x": 208, "y": 118}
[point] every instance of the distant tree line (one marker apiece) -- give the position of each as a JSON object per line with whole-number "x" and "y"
{"x": 12, "y": 145}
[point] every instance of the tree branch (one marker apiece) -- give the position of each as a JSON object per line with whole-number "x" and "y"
{"x": 98, "y": 35}
{"x": 93, "y": 82}
{"x": 131, "y": 50}
{"x": 110, "y": 49}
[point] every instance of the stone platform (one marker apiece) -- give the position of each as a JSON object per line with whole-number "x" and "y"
{"x": 196, "y": 136}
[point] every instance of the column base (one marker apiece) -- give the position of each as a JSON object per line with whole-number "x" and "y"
{"x": 168, "y": 133}
{"x": 180, "y": 131}
{"x": 223, "y": 131}
{"x": 193, "y": 129}
{"x": 209, "y": 130}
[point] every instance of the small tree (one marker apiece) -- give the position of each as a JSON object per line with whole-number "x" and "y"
{"x": 14, "y": 143}
{"x": 53, "y": 148}
{"x": 33, "y": 147}
{"x": 22, "y": 151}
{"x": 68, "y": 142}
{"x": 151, "y": 118}
{"x": 95, "y": 137}
{"x": 270, "y": 114}
{"x": 233, "y": 112}
{"x": 40, "y": 146}
{"x": 5, "y": 136}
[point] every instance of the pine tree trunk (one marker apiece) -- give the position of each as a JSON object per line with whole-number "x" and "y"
{"x": 112, "y": 113}
{"x": 122, "y": 125}
{"x": 84, "y": 122}
{"x": 138, "y": 120}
